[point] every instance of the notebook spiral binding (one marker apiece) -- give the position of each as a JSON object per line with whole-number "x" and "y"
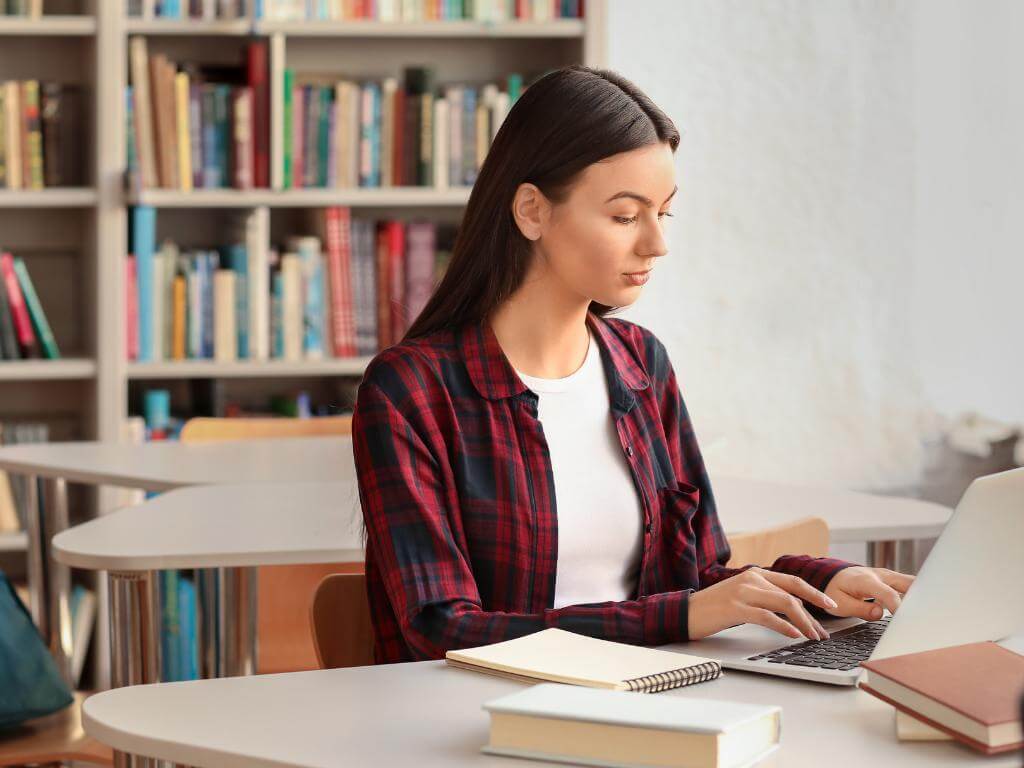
{"x": 677, "y": 678}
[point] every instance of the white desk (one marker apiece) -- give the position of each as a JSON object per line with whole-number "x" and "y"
{"x": 162, "y": 466}
{"x": 749, "y": 505}
{"x": 429, "y": 714}
{"x": 156, "y": 466}
{"x": 224, "y": 530}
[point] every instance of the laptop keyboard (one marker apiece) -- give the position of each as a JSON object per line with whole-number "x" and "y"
{"x": 843, "y": 650}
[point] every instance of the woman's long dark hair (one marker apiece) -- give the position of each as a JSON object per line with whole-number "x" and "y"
{"x": 562, "y": 123}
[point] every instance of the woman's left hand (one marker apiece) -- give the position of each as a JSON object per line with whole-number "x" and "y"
{"x": 852, "y": 586}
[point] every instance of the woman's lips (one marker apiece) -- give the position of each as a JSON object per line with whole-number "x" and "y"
{"x": 638, "y": 278}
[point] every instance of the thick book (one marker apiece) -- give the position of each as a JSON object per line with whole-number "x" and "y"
{"x": 559, "y": 656}
{"x": 970, "y": 692}
{"x": 564, "y": 723}
{"x": 337, "y": 237}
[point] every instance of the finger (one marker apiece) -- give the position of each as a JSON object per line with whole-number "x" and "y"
{"x": 855, "y": 606}
{"x": 768, "y": 619}
{"x": 800, "y": 588}
{"x": 899, "y": 581}
{"x": 781, "y": 601}
{"x": 884, "y": 594}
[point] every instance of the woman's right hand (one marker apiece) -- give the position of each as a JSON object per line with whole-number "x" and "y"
{"x": 755, "y": 596}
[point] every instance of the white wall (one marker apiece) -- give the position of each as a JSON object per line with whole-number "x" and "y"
{"x": 822, "y": 235}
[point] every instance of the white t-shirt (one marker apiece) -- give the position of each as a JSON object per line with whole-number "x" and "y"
{"x": 600, "y": 525}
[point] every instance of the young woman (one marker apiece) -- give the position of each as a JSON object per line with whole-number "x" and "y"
{"x": 527, "y": 461}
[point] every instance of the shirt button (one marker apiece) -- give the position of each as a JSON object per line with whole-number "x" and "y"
{"x": 629, "y": 450}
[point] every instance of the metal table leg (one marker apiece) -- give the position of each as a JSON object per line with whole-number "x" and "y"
{"x": 36, "y": 558}
{"x": 236, "y": 614}
{"x": 134, "y": 639}
{"x": 58, "y": 578}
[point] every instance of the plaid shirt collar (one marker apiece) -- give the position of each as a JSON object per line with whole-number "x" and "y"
{"x": 495, "y": 378}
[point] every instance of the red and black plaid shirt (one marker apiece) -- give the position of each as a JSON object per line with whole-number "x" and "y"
{"x": 458, "y": 498}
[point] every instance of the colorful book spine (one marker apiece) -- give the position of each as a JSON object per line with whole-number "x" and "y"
{"x": 277, "y": 314}
{"x": 179, "y": 318}
{"x": 211, "y": 168}
{"x": 195, "y": 129}
{"x": 237, "y": 259}
{"x": 144, "y": 248}
{"x": 33, "y": 135}
{"x": 337, "y": 226}
{"x": 256, "y": 63}
{"x": 188, "y": 648}
{"x": 208, "y": 265}
{"x": 170, "y": 638}
{"x": 8, "y": 337}
{"x": 222, "y": 120}
{"x": 19, "y": 312}
{"x": 225, "y": 341}
{"x": 183, "y": 130}
{"x": 243, "y": 138}
{"x": 35, "y": 311}
{"x": 131, "y": 289}
{"x": 288, "y": 124}
{"x": 292, "y": 305}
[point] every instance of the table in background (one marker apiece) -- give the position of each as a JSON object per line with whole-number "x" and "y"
{"x": 154, "y": 466}
{"x": 223, "y": 531}
{"x": 880, "y": 521}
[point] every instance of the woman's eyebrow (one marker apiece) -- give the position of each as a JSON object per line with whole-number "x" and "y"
{"x": 637, "y": 196}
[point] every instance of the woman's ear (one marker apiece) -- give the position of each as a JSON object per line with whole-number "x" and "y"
{"x": 530, "y": 209}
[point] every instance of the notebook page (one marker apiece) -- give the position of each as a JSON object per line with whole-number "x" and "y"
{"x": 554, "y": 654}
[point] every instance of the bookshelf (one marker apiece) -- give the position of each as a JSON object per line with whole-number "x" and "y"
{"x": 93, "y": 388}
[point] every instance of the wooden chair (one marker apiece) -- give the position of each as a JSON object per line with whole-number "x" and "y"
{"x": 808, "y": 536}
{"x": 53, "y": 739}
{"x": 284, "y": 592}
{"x": 208, "y": 429}
{"x": 340, "y": 620}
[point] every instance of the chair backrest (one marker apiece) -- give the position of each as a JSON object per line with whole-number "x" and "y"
{"x": 342, "y": 629}
{"x": 53, "y": 739}
{"x": 203, "y": 428}
{"x": 284, "y": 593}
{"x": 808, "y": 536}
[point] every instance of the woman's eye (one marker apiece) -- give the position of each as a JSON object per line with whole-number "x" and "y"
{"x": 632, "y": 219}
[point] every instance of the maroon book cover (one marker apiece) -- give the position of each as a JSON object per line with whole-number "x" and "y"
{"x": 260, "y": 85}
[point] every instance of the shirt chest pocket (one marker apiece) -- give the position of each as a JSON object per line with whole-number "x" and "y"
{"x": 676, "y": 506}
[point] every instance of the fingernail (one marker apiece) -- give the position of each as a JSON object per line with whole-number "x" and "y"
{"x": 830, "y": 602}
{"x": 876, "y": 613}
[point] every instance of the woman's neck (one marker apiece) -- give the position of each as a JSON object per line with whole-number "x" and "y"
{"x": 542, "y": 330}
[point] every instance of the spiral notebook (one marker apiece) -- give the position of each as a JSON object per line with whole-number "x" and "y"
{"x": 566, "y": 657}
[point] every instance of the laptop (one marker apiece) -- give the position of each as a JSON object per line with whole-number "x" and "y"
{"x": 969, "y": 589}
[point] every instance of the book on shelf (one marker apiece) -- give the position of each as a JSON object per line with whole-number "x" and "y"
{"x": 555, "y": 655}
{"x": 24, "y": 328}
{"x": 40, "y": 129}
{"x": 970, "y": 692}
{"x": 420, "y": 10}
{"x": 28, "y": 8}
{"x": 197, "y": 126}
{"x": 194, "y": 10}
{"x": 586, "y": 726}
{"x": 344, "y": 133}
{"x": 15, "y": 433}
{"x": 349, "y": 288}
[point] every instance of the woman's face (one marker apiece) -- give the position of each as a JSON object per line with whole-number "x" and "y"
{"x": 604, "y": 239}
